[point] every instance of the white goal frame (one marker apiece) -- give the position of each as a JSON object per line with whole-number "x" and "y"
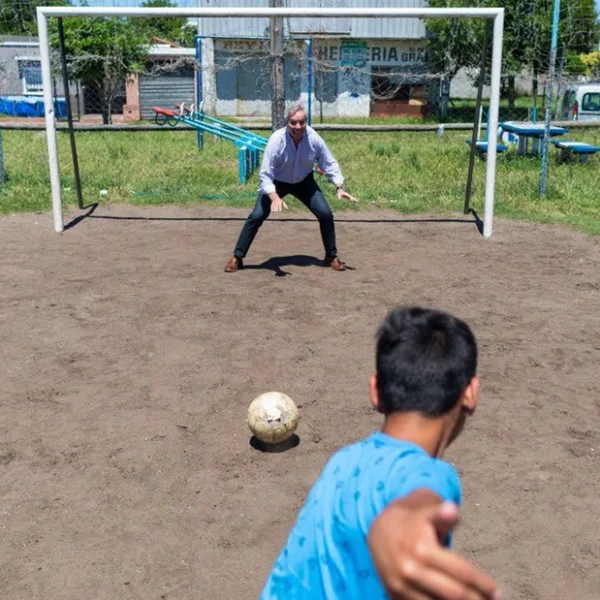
{"x": 496, "y": 14}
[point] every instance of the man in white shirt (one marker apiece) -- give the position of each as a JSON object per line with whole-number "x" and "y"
{"x": 287, "y": 168}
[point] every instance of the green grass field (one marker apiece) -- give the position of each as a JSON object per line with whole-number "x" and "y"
{"x": 411, "y": 172}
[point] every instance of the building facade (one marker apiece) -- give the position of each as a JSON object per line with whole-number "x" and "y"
{"x": 20, "y": 67}
{"x": 21, "y": 89}
{"x": 349, "y": 67}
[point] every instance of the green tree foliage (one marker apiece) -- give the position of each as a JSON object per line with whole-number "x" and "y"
{"x": 591, "y": 62}
{"x": 17, "y": 17}
{"x": 456, "y": 43}
{"x": 100, "y": 53}
{"x": 171, "y": 29}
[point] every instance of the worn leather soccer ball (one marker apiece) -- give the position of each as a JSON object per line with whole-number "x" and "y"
{"x": 273, "y": 417}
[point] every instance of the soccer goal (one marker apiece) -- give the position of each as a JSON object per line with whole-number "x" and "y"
{"x": 227, "y": 14}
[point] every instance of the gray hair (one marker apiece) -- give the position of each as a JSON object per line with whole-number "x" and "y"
{"x": 292, "y": 110}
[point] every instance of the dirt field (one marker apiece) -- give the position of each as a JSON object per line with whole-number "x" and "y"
{"x": 128, "y": 360}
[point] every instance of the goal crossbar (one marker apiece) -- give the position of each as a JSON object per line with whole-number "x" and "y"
{"x": 495, "y": 14}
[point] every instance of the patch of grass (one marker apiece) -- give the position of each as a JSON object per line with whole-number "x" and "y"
{"x": 385, "y": 150}
{"x": 410, "y": 172}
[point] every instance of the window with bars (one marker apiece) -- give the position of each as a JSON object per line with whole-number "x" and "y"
{"x": 30, "y": 74}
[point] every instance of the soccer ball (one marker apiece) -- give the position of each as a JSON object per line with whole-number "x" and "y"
{"x": 273, "y": 417}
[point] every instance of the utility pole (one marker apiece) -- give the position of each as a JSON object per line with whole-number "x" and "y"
{"x": 277, "y": 82}
{"x": 549, "y": 90}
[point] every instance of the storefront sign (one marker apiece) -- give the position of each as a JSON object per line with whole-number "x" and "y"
{"x": 351, "y": 52}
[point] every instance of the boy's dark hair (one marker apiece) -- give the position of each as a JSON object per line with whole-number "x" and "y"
{"x": 425, "y": 359}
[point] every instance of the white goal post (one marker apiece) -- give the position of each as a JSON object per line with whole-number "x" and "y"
{"x": 496, "y": 14}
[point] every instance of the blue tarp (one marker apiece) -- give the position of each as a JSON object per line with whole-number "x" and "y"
{"x": 26, "y": 106}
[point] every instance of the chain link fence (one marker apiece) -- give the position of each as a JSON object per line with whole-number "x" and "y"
{"x": 120, "y": 68}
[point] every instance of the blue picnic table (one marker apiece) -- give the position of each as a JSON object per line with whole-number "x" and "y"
{"x": 530, "y": 131}
{"x": 570, "y": 148}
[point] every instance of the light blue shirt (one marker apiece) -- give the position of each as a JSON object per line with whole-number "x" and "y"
{"x": 326, "y": 556}
{"x": 282, "y": 161}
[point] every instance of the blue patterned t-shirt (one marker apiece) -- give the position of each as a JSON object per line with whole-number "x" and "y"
{"x": 326, "y": 556}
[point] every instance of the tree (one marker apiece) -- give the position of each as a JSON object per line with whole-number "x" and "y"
{"x": 172, "y": 29}
{"x": 455, "y": 43}
{"x": 591, "y": 61}
{"x": 100, "y": 53}
{"x": 17, "y": 17}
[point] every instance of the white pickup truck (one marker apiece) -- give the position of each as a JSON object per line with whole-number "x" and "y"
{"x": 581, "y": 102}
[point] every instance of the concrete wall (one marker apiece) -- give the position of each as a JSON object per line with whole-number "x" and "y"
{"x": 463, "y": 84}
{"x": 15, "y": 50}
{"x": 10, "y": 82}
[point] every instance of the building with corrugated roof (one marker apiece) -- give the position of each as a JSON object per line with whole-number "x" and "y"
{"x": 350, "y": 66}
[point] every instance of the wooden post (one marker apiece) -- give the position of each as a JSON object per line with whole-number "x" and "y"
{"x": 277, "y": 81}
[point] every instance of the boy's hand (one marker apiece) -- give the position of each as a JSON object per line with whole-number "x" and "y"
{"x": 413, "y": 565}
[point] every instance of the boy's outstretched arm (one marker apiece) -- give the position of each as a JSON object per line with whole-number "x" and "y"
{"x": 405, "y": 543}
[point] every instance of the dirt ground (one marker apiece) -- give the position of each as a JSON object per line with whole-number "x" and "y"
{"x": 128, "y": 360}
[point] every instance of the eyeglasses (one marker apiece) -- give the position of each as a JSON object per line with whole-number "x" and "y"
{"x": 297, "y": 122}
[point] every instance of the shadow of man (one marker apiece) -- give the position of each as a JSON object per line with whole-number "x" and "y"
{"x": 296, "y": 260}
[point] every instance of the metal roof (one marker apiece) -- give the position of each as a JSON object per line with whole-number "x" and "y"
{"x": 361, "y": 28}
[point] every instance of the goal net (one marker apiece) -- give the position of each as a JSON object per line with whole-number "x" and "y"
{"x": 211, "y": 69}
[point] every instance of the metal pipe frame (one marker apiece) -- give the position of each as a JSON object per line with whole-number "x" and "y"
{"x": 44, "y": 12}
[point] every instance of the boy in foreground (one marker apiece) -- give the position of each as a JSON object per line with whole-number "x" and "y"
{"x": 380, "y": 514}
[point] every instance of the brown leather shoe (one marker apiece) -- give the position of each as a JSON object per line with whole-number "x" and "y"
{"x": 335, "y": 263}
{"x": 234, "y": 264}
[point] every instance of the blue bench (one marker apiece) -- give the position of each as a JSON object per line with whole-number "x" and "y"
{"x": 570, "y": 148}
{"x": 482, "y": 147}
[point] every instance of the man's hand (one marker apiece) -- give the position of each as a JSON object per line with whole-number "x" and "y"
{"x": 341, "y": 193}
{"x": 277, "y": 203}
{"x": 413, "y": 565}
